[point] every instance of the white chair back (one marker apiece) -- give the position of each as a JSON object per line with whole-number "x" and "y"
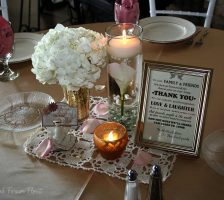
{"x": 4, "y": 9}
{"x": 207, "y": 15}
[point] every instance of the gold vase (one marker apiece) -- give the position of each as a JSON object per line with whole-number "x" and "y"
{"x": 80, "y": 100}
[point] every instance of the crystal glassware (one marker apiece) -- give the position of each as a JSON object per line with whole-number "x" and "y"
{"x": 7, "y": 74}
{"x": 126, "y": 11}
{"x": 213, "y": 151}
{"x": 6, "y": 50}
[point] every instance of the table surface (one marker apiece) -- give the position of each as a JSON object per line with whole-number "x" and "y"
{"x": 23, "y": 177}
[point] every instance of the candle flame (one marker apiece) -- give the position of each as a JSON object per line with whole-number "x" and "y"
{"x": 111, "y": 136}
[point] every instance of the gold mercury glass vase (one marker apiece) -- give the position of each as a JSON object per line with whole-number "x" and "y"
{"x": 80, "y": 100}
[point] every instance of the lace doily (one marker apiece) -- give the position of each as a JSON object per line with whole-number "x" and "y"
{"x": 85, "y": 156}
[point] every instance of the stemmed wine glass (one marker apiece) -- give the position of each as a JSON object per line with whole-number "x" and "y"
{"x": 7, "y": 74}
{"x": 6, "y": 50}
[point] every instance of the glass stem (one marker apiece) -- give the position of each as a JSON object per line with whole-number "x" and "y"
{"x": 5, "y": 63}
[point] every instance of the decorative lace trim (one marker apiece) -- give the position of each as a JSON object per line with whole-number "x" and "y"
{"x": 85, "y": 156}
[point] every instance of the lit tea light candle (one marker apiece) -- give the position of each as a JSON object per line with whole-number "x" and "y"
{"x": 110, "y": 139}
{"x": 124, "y": 46}
{"x": 111, "y": 136}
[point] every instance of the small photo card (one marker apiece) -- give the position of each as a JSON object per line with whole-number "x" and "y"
{"x": 61, "y": 112}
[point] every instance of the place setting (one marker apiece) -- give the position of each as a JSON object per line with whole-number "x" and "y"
{"x": 24, "y": 44}
{"x": 15, "y": 48}
{"x": 168, "y": 30}
{"x": 164, "y": 29}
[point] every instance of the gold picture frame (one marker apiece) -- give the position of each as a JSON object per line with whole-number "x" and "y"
{"x": 172, "y": 108}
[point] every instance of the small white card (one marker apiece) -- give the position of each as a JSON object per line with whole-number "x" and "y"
{"x": 62, "y": 112}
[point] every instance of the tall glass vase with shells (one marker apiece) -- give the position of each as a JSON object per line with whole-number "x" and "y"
{"x": 124, "y": 72}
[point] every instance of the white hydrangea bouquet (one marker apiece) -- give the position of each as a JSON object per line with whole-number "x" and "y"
{"x": 71, "y": 57}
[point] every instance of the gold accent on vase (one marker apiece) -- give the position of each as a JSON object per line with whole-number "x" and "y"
{"x": 80, "y": 100}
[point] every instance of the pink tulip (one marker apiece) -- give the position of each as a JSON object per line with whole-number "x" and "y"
{"x": 89, "y": 125}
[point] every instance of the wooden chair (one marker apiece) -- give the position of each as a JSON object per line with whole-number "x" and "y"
{"x": 207, "y": 15}
{"x": 27, "y": 27}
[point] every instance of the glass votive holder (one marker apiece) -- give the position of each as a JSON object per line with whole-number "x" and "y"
{"x": 124, "y": 50}
{"x": 110, "y": 139}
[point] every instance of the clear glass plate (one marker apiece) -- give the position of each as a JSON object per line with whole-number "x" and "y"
{"x": 22, "y": 111}
{"x": 213, "y": 151}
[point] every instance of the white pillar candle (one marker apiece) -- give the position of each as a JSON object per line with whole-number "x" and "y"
{"x": 124, "y": 46}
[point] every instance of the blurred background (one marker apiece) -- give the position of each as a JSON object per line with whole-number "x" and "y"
{"x": 35, "y": 15}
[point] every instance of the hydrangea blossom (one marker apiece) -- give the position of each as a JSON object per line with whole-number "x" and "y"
{"x": 71, "y": 57}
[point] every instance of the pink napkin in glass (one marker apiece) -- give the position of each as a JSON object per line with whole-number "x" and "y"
{"x": 126, "y": 11}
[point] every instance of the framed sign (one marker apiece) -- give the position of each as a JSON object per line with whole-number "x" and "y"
{"x": 172, "y": 109}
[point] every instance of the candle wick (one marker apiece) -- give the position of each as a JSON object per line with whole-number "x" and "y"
{"x": 124, "y": 35}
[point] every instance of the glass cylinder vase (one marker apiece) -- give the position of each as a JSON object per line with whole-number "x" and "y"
{"x": 124, "y": 72}
{"x": 80, "y": 100}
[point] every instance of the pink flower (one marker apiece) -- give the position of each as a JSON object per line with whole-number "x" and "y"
{"x": 44, "y": 148}
{"x": 89, "y": 125}
{"x": 142, "y": 158}
{"x": 101, "y": 109}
